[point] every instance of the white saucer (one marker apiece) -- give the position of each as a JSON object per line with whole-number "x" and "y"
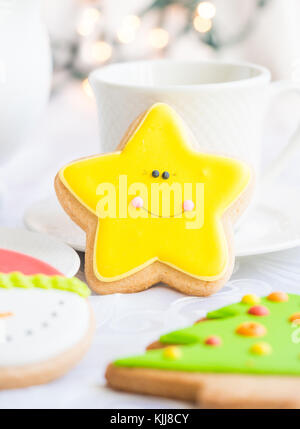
{"x": 271, "y": 225}
{"x": 41, "y": 246}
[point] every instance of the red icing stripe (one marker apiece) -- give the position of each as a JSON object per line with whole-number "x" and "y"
{"x": 11, "y": 261}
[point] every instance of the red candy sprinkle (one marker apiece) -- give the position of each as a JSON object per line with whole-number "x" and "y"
{"x": 258, "y": 310}
{"x": 213, "y": 341}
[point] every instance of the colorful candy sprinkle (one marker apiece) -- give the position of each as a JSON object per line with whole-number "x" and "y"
{"x": 259, "y": 310}
{"x": 172, "y": 353}
{"x": 295, "y": 318}
{"x": 213, "y": 341}
{"x": 261, "y": 349}
{"x": 251, "y": 329}
{"x": 278, "y": 297}
{"x": 251, "y": 298}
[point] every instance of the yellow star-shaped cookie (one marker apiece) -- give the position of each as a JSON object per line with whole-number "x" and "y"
{"x": 156, "y": 210}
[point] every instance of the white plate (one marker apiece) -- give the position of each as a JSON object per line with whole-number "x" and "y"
{"x": 41, "y": 246}
{"x": 269, "y": 226}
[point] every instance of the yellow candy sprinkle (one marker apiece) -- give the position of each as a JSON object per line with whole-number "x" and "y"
{"x": 251, "y": 298}
{"x": 172, "y": 353}
{"x": 261, "y": 349}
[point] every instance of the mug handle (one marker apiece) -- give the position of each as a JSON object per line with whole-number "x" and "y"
{"x": 293, "y": 145}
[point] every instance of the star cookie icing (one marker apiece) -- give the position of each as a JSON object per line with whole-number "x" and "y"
{"x": 156, "y": 209}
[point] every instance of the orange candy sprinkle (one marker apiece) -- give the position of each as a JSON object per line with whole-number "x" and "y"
{"x": 251, "y": 329}
{"x": 278, "y": 297}
{"x": 295, "y": 318}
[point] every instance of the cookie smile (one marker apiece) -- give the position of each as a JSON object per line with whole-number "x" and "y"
{"x": 187, "y": 206}
{"x": 162, "y": 217}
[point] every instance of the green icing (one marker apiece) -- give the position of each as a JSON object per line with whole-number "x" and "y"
{"x": 233, "y": 355}
{"x": 12, "y": 280}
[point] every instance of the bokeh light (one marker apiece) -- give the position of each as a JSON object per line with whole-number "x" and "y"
{"x": 101, "y": 51}
{"x": 88, "y": 20}
{"x": 206, "y": 10}
{"x": 131, "y": 21}
{"x": 201, "y": 24}
{"x": 87, "y": 89}
{"x": 158, "y": 38}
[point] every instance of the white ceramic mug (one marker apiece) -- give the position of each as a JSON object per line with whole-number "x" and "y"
{"x": 223, "y": 103}
{"x": 25, "y": 71}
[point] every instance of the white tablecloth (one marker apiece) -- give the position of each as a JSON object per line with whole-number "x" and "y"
{"x": 125, "y": 323}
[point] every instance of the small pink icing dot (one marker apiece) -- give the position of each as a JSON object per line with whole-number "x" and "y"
{"x": 213, "y": 341}
{"x": 188, "y": 205}
{"x": 137, "y": 202}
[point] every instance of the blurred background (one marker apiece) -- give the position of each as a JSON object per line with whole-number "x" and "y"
{"x": 48, "y": 114}
{"x": 88, "y": 33}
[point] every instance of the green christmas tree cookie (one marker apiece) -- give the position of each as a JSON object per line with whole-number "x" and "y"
{"x": 255, "y": 336}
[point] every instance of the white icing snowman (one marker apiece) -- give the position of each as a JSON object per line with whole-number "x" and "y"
{"x": 43, "y": 332}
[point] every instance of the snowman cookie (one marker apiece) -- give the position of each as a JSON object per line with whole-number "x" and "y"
{"x": 11, "y": 261}
{"x": 46, "y": 326}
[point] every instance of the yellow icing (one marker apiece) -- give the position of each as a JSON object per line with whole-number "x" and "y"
{"x": 129, "y": 239}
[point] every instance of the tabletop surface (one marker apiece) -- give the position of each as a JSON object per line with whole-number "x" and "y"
{"x": 69, "y": 121}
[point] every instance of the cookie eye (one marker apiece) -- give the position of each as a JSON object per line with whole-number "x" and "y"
{"x": 165, "y": 175}
{"x": 155, "y": 173}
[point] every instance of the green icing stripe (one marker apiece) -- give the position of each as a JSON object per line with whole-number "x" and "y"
{"x": 234, "y": 355}
{"x": 12, "y": 280}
